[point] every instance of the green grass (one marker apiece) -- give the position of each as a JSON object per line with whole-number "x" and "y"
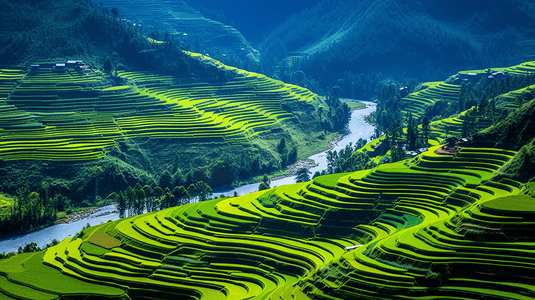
{"x": 354, "y": 104}
{"x": 511, "y": 204}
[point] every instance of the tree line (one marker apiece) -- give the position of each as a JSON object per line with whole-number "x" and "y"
{"x": 32, "y": 210}
{"x": 140, "y": 199}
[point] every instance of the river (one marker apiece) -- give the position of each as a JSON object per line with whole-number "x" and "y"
{"x": 357, "y": 126}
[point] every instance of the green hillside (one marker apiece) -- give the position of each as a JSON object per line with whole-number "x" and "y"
{"x": 402, "y": 230}
{"x": 134, "y": 125}
{"x": 77, "y": 115}
{"x": 179, "y": 19}
{"x": 495, "y": 100}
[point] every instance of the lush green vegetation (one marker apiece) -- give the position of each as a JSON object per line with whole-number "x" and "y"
{"x": 358, "y": 45}
{"x": 71, "y": 118}
{"x": 495, "y": 100}
{"x": 416, "y": 221}
{"x": 452, "y": 222}
{"x": 89, "y": 132}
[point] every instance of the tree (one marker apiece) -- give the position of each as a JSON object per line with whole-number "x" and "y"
{"x": 107, "y": 67}
{"x": 31, "y": 247}
{"x": 96, "y": 171}
{"x": 316, "y": 174}
{"x": 139, "y": 196}
{"x": 181, "y": 195}
{"x": 411, "y": 136}
{"x": 204, "y": 190}
{"x": 303, "y": 175}
{"x": 115, "y": 12}
{"x": 332, "y": 157}
{"x": 282, "y": 145}
{"x": 425, "y": 129}
{"x": 264, "y": 185}
{"x": 192, "y": 190}
{"x": 121, "y": 205}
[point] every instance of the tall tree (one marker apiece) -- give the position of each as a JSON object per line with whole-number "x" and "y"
{"x": 204, "y": 190}
{"x": 193, "y": 191}
{"x": 332, "y": 157}
{"x": 122, "y": 205}
{"x": 425, "y": 130}
{"x": 303, "y": 175}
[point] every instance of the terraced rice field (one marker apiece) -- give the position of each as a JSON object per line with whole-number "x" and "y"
{"x": 77, "y": 115}
{"x": 435, "y": 227}
{"x": 417, "y": 102}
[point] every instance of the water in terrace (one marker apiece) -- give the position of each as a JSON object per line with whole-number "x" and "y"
{"x": 358, "y": 128}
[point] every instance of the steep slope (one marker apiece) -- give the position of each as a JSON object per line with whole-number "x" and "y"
{"x": 176, "y": 17}
{"x": 398, "y": 37}
{"x": 151, "y": 123}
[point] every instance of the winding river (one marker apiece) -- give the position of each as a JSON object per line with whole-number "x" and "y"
{"x": 358, "y": 128}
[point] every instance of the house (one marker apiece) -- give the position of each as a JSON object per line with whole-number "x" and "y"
{"x": 74, "y": 63}
{"x": 46, "y": 66}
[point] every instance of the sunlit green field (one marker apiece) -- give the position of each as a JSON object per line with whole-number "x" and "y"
{"x": 77, "y": 115}
{"x": 396, "y": 227}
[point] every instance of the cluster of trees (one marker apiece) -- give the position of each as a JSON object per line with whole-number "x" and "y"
{"x": 140, "y": 199}
{"x": 31, "y": 247}
{"x": 388, "y": 112}
{"x": 288, "y": 153}
{"x": 264, "y": 185}
{"x": 31, "y": 210}
{"x": 303, "y": 175}
{"x": 348, "y": 159}
{"x": 338, "y": 114}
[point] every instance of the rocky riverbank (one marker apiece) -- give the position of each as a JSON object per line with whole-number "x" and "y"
{"x": 77, "y": 216}
{"x": 308, "y": 163}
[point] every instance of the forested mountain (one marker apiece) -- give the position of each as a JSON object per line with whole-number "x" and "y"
{"x": 165, "y": 20}
{"x": 53, "y": 31}
{"x": 363, "y": 42}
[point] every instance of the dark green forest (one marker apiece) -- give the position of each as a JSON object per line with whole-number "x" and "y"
{"x": 356, "y": 45}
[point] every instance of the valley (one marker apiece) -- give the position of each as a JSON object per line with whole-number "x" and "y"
{"x": 230, "y": 166}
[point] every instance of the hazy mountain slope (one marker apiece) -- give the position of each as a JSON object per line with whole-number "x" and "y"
{"x": 176, "y": 17}
{"x": 424, "y": 39}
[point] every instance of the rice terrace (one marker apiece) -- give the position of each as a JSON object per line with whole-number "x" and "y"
{"x": 116, "y": 111}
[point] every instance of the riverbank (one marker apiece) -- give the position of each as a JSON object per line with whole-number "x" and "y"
{"x": 357, "y": 128}
{"x": 310, "y": 163}
{"x": 59, "y": 232}
{"x": 84, "y": 214}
